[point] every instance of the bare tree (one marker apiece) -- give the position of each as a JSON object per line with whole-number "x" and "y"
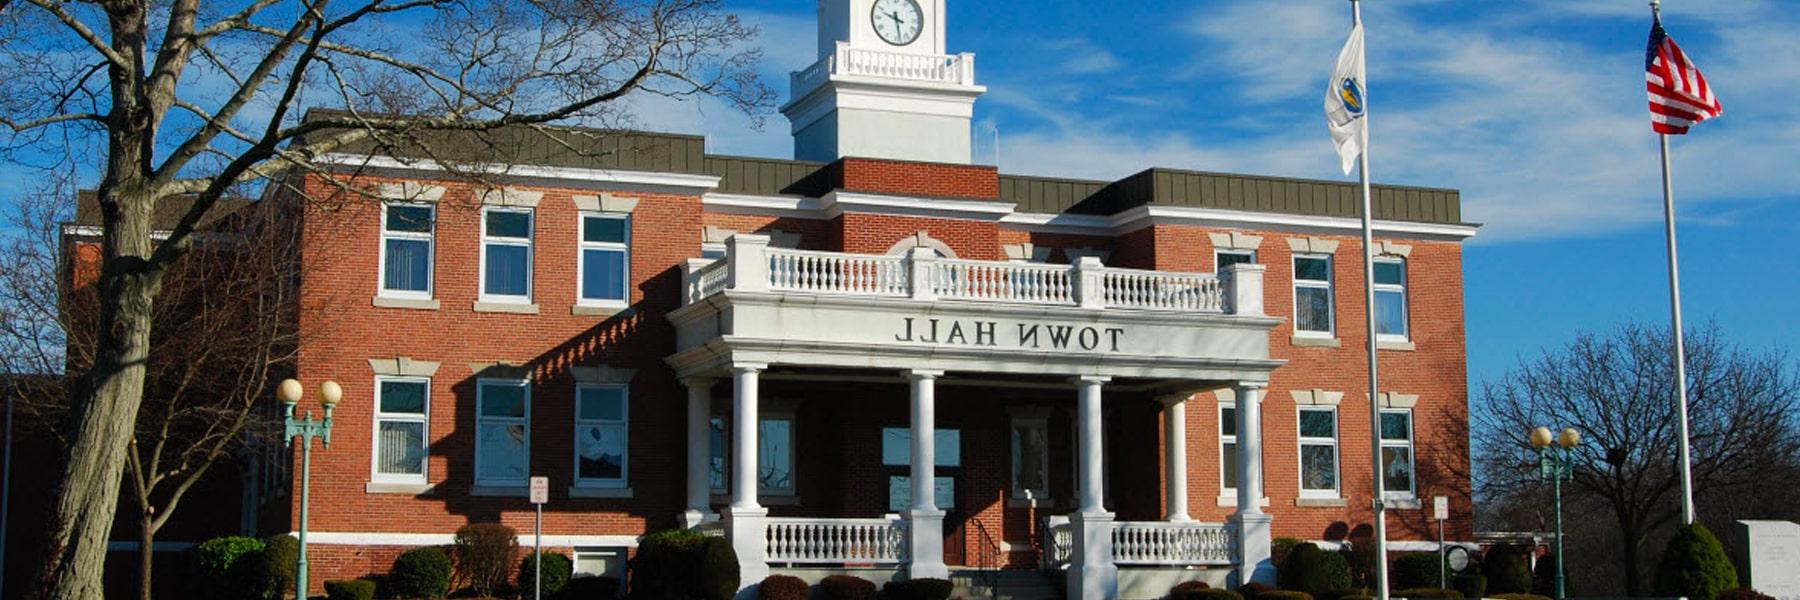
{"x": 185, "y": 98}
{"x": 1617, "y": 390}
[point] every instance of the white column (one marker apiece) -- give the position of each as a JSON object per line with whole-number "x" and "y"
{"x": 1251, "y": 523}
{"x": 699, "y": 452}
{"x": 1175, "y": 451}
{"x": 1091, "y": 570}
{"x": 926, "y": 533}
{"x": 746, "y": 521}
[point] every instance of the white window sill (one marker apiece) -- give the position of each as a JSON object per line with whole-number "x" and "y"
{"x": 522, "y": 308}
{"x": 599, "y": 492}
{"x": 1315, "y": 341}
{"x": 1399, "y": 345}
{"x": 599, "y": 310}
{"x": 1402, "y": 503}
{"x": 1231, "y": 500}
{"x": 413, "y": 488}
{"x": 500, "y": 491}
{"x": 413, "y": 303}
{"x": 1319, "y": 502}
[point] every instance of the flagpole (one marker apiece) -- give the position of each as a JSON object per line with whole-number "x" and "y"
{"x": 1368, "y": 246}
{"x": 1679, "y": 352}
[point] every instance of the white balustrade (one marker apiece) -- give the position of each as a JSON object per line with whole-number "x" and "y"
{"x": 1002, "y": 282}
{"x": 1161, "y": 290}
{"x": 953, "y": 69}
{"x": 1059, "y": 541}
{"x": 837, "y": 541}
{"x": 709, "y": 280}
{"x": 837, "y": 273}
{"x": 1171, "y": 543}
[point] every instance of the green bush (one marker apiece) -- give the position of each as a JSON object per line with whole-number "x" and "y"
{"x": 1416, "y": 570}
{"x": 1279, "y": 549}
{"x": 591, "y": 588}
{"x": 1181, "y": 590}
{"x": 917, "y": 589}
{"x": 1359, "y": 556}
{"x": 1471, "y": 586}
{"x": 1428, "y": 592}
{"x": 419, "y": 573}
{"x": 352, "y": 589}
{"x": 1694, "y": 565}
{"x": 1345, "y": 594}
{"x": 1284, "y": 595}
{"x": 846, "y": 587}
{"x": 280, "y": 554}
{"x": 1543, "y": 578}
{"x": 229, "y": 568}
{"x": 1507, "y": 570}
{"x": 667, "y": 563}
{"x": 557, "y": 570}
{"x": 782, "y": 587}
{"x": 1254, "y": 590}
{"x": 1314, "y": 571}
{"x": 485, "y": 554}
{"x": 1520, "y": 597}
{"x": 1744, "y": 594}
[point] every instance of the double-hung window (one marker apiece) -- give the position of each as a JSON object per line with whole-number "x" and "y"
{"x": 605, "y": 258}
{"x": 1226, "y": 258}
{"x": 506, "y": 255}
{"x": 1031, "y": 458}
{"x": 1397, "y": 470}
{"x": 601, "y": 435}
{"x": 401, "y": 407}
{"x": 502, "y": 432}
{"x": 896, "y": 459}
{"x": 406, "y": 248}
{"x": 774, "y": 455}
{"x": 1312, "y": 295}
{"x": 1390, "y": 298}
{"x": 1318, "y": 452}
{"x": 1228, "y": 449}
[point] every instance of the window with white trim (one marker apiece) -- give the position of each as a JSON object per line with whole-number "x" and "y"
{"x": 1226, "y": 258}
{"x": 712, "y": 250}
{"x": 1312, "y": 295}
{"x": 1397, "y": 464}
{"x": 406, "y": 249}
{"x": 506, "y": 254}
{"x": 601, "y": 436}
{"x": 599, "y": 562}
{"x": 605, "y": 258}
{"x": 1228, "y": 449}
{"x": 1318, "y": 452}
{"x": 774, "y": 455}
{"x": 1031, "y": 458}
{"x": 401, "y": 428}
{"x": 502, "y": 432}
{"x": 1390, "y": 298}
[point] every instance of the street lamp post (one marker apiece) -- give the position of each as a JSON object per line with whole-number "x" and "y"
{"x": 306, "y": 428}
{"x": 1556, "y": 464}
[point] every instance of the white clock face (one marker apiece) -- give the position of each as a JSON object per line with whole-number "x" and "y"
{"x": 898, "y": 22}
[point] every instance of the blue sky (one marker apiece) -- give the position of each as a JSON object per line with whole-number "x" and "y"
{"x": 1534, "y": 108}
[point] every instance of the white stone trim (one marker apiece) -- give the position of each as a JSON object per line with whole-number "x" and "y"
{"x": 615, "y": 176}
{"x": 1387, "y": 248}
{"x": 1076, "y": 254}
{"x": 795, "y": 207}
{"x": 712, "y": 234}
{"x": 410, "y": 191}
{"x": 401, "y": 366}
{"x": 1235, "y": 240}
{"x": 921, "y": 240}
{"x": 1398, "y": 400}
{"x": 1026, "y": 252}
{"x": 346, "y": 538}
{"x": 1312, "y": 245}
{"x": 408, "y": 303}
{"x": 839, "y": 202}
{"x": 605, "y": 203}
{"x": 511, "y": 197}
{"x": 1316, "y": 397}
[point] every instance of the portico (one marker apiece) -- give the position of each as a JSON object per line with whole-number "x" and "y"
{"x": 919, "y": 317}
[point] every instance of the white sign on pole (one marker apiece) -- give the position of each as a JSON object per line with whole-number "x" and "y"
{"x": 1441, "y": 506}
{"x": 540, "y": 490}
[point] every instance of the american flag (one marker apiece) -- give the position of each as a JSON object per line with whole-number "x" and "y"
{"x": 1679, "y": 96}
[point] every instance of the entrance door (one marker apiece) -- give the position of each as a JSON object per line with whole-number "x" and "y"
{"x": 896, "y": 459}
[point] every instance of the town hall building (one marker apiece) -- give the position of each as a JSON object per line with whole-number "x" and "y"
{"x": 876, "y": 358}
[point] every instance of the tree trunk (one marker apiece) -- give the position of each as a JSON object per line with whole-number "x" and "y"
{"x": 146, "y": 554}
{"x": 1629, "y": 536}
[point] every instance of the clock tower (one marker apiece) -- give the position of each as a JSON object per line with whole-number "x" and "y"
{"x": 883, "y": 86}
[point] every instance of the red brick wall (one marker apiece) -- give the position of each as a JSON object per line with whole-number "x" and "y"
{"x": 917, "y": 178}
{"x": 875, "y": 234}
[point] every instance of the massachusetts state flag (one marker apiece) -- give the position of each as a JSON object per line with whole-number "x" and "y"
{"x": 1344, "y": 101}
{"x": 1679, "y": 96}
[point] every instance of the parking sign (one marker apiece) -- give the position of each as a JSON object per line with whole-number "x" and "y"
{"x": 540, "y": 490}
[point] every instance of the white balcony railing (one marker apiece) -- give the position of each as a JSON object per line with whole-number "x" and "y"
{"x": 837, "y": 541}
{"x": 1157, "y": 543}
{"x": 750, "y": 265}
{"x": 951, "y": 69}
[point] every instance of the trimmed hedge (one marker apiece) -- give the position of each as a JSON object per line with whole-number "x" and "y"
{"x": 1345, "y": 594}
{"x": 1209, "y": 594}
{"x": 1181, "y": 590}
{"x": 1284, "y": 595}
{"x": 1279, "y": 549}
{"x": 1471, "y": 586}
{"x": 782, "y": 587}
{"x": 485, "y": 554}
{"x": 280, "y": 554}
{"x": 1434, "y": 593}
{"x": 591, "y": 588}
{"x": 917, "y": 589}
{"x": 1744, "y": 594}
{"x": 350, "y": 589}
{"x": 1314, "y": 571}
{"x": 229, "y": 568}
{"x": 846, "y": 587}
{"x": 557, "y": 570}
{"x": 1507, "y": 570}
{"x": 680, "y": 564}
{"x": 1417, "y": 570}
{"x": 419, "y": 573}
{"x": 1694, "y": 566}
{"x": 1254, "y": 590}
{"x": 1520, "y": 597}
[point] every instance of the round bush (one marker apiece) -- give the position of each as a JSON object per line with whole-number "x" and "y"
{"x": 484, "y": 555}
{"x": 1471, "y": 586}
{"x": 591, "y": 588}
{"x": 1543, "y": 578}
{"x": 1507, "y": 570}
{"x": 1694, "y": 566}
{"x": 557, "y": 570}
{"x": 1181, "y": 590}
{"x": 719, "y": 570}
{"x": 1416, "y": 570}
{"x": 1345, "y": 594}
{"x": 917, "y": 589}
{"x": 1314, "y": 571}
{"x": 229, "y": 568}
{"x": 280, "y": 554}
{"x": 782, "y": 587}
{"x": 1284, "y": 595}
{"x": 1744, "y": 594}
{"x": 1280, "y": 547}
{"x": 352, "y": 589}
{"x": 1520, "y": 597}
{"x": 1211, "y": 594}
{"x": 420, "y": 573}
{"x": 680, "y": 564}
{"x": 1434, "y": 593}
{"x": 1254, "y": 590}
{"x": 846, "y": 587}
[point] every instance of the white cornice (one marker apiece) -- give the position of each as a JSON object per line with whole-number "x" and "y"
{"x": 839, "y": 202}
{"x": 1143, "y": 216}
{"x": 679, "y": 181}
{"x": 797, "y": 207}
{"x": 1060, "y": 223}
